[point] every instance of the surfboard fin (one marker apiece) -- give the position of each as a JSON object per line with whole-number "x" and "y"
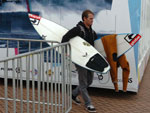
{"x": 97, "y": 63}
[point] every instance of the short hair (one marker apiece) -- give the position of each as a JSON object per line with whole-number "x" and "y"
{"x": 86, "y": 12}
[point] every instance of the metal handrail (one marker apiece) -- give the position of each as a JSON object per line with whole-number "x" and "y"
{"x": 30, "y": 40}
{"x": 32, "y": 52}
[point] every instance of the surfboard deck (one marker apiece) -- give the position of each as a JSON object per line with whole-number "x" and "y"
{"x": 124, "y": 43}
{"x": 83, "y": 54}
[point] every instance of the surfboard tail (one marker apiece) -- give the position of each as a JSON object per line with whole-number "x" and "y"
{"x": 98, "y": 63}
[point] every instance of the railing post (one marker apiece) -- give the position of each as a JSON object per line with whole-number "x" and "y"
{"x": 63, "y": 78}
{"x": 6, "y": 85}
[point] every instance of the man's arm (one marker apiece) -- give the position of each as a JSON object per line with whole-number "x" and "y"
{"x": 70, "y": 34}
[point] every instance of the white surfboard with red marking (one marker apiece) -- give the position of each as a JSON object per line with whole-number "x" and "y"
{"x": 83, "y": 53}
{"x": 124, "y": 43}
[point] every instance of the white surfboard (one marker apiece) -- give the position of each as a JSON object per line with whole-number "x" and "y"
{"x": 83, "y": 53}
{"x": 124, "y": 43}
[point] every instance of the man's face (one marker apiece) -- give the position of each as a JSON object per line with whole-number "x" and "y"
{"x": 89, "y": 21}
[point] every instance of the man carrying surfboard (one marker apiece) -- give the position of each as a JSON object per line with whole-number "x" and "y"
{"x": 85, "y": 76}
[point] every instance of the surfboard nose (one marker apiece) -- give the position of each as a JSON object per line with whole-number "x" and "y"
{"x": 98, "y": 63}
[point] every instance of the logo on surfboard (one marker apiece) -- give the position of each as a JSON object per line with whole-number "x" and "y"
{"x": 132, "y": 38}
{"x": 86, "y": 44}
{"x": 34, "y": 19}
{"x": 44, "y": 36}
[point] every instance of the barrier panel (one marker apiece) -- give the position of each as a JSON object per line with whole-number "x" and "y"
{"x": 40, "y": 81}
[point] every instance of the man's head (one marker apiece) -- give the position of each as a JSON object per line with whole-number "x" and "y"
{"x": 87, "y": 17}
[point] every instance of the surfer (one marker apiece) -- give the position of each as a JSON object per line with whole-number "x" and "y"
{"x": 85, "y": 31}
